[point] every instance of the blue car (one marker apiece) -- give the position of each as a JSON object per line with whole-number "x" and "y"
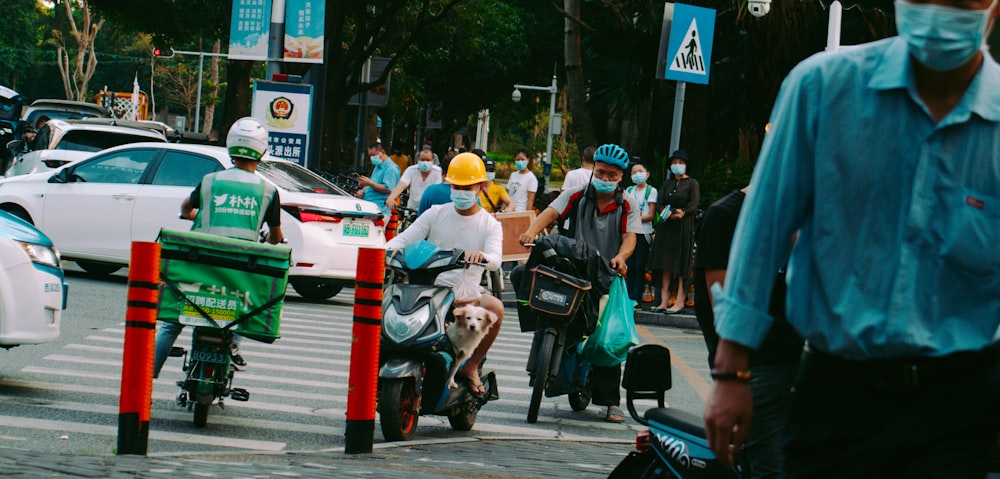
{"x": 33, "y": 288}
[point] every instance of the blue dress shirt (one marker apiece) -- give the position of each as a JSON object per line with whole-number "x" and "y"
{"x": 386, "y": 174}
{"x": 898, "y": 252}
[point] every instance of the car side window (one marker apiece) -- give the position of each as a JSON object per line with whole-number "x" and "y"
{"x": 123, "y": 167}
{"x": 180, "y": 168}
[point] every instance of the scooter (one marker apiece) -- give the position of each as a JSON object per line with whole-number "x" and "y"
{"x": 209, "y": 372}
{"x": 415, "y": 352}
{"x": 674, "y": 446}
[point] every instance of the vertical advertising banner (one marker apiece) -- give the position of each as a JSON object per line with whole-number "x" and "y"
{"x": 286, "y": 110}
{"x": 304, "y": 30}
{"x": 249, "y": 30}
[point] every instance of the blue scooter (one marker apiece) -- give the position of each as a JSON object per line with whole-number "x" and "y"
{"x": 674, "y": 446}
{"x": 416, "y": 354}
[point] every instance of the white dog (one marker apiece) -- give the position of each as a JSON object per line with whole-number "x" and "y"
{"x": 470, "y": 326}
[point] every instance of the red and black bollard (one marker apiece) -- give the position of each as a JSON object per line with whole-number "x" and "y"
{"x": 140, "y": 341}
{"x": 392, "y": 226}
{"x": 365, "y": 340}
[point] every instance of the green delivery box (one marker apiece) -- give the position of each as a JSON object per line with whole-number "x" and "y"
{"x": 225, "y": 279}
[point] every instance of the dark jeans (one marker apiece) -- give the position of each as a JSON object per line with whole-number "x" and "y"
{"x": 636, "y": 277}
{"x": 772, "y": 390}
{"x": 878, "y": 420}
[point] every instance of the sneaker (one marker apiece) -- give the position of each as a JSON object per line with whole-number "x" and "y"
{"x": 238, "y": 362}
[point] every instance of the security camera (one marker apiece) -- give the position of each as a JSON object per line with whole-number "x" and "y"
{"x": 516, "y": 96}
{"x": 759, "y": 8}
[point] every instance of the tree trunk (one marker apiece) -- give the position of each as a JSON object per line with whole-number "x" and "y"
{"x": 213, "y": 93}
{"x": 238, "y": 93}
{"x": 583, "y": 126}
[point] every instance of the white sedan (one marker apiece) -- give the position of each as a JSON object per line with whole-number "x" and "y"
{"x": 96, "y": 208}
{"x": 32, "y": 286}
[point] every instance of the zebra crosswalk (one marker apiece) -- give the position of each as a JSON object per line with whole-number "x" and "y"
{"x": 298, "y": 393}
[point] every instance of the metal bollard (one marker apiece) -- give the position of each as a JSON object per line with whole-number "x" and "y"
{"x": 140, "y": 340}
{"x": 365, "y": 340}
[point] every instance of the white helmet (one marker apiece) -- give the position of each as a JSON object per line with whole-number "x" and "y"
{"x": 247, "y": 139}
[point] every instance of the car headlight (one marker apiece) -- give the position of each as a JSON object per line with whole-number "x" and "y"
{"x": 41, "y": 254}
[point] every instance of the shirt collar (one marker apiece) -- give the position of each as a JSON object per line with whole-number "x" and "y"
{"x": 895, "y": 70}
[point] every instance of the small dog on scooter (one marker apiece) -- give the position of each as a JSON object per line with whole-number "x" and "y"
{"x": 470, "y": 327}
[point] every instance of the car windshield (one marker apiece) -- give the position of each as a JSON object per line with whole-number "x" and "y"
{"x": 292, "y": 177}
{"x": 60, "y": 115}
{"x": 84, "y": 140}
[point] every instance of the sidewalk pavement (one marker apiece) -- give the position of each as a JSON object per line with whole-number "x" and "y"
{"x": 517, "y": 458}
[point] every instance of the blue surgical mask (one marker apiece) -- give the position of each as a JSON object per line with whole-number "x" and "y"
{"x": 678, "y": 169}
{"x": 603, "y": 186}
{"x": 639, "y": 178}
{"x": 424, "y": 165}
{"x": 464, "y": 199}
{"x": 376, "y": 160}
{"x": 521, "y": 164}
{"x": 491, "y": 175}
{"x": 941, "y": 38}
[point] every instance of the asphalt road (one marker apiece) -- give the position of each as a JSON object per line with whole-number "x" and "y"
{"x": 63, "y": 396}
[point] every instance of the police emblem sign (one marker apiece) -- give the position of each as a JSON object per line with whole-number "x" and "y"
{"x": 286, "y": 110}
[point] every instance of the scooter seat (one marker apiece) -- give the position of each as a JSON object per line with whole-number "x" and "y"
{"x": 677, "y": 419}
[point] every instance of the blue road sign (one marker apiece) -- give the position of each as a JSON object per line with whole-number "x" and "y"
{"x": 689, "y": 55}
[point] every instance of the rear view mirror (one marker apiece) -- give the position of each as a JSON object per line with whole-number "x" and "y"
{"x": 60, "y": 177}
{"x": 17, "y": 146}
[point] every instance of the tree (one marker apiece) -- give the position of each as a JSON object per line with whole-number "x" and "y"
{"x": 20, "y": 41}
{"x": 77, "y": 71}
{"x": 575, "y": 81}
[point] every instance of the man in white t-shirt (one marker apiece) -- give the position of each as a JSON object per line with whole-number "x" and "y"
{"x": 581, "y": 176}
{"x": 465, "y": 225}
{"x": 522, "y": 184}
{"x": 417, "y": 178}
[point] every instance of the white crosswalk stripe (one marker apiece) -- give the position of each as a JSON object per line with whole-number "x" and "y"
{"x": 304, "y": 376}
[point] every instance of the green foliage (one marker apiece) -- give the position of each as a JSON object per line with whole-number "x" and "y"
{"x": 22, "y": 35}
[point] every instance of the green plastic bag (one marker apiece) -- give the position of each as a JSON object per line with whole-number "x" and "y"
{"x": 615, "y": 333}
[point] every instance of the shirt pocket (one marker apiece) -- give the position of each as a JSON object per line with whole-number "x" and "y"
{"x": 971, "y": 238}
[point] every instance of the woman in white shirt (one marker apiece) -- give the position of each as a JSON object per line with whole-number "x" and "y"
{"x": 523, "y": 184}
{"x": 645, "y": 196}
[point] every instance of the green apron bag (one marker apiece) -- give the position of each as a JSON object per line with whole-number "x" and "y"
{"x": 225, "y": 279}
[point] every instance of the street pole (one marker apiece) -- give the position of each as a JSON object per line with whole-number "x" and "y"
{"x": 675, "y": 129}
{"x": 197, "y": 111}
{"x": 553, "y": 89}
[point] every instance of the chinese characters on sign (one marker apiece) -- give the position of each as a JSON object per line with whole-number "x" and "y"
{"x": 304, "y": 30}
{"x": 249, "y": 30}
{"x": 286, "y": 110}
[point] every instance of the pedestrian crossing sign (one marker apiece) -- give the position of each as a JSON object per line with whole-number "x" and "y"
{"x": 689, "y": 54}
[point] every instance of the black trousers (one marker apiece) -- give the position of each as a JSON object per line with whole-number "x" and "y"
{"x": 606, "y": 385}
{"x": 918, "y": 418}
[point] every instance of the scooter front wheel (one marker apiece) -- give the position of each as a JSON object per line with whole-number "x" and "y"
{"x": 540, "y": 373}
{"x": 397, "y": 409}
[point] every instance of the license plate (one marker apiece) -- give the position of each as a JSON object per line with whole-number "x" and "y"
{"x": 356, "y": 229}
{"x": 208, "y": 356}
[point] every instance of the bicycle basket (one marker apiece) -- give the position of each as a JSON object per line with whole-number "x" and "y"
{"x": 556, "y": 293}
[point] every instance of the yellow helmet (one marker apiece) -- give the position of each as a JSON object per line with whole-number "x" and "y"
{"x": 466, "y": 169}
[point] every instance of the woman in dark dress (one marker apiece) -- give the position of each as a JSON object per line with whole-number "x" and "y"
{"x": 674, "y": 241}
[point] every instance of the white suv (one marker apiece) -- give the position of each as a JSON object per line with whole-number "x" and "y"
{"x": 64, "y": 141}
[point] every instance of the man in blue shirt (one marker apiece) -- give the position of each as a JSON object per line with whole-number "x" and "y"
{"x": 885, "y": 159}
{"x": 385, "y": 175}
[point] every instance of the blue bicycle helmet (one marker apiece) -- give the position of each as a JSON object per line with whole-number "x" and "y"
{"x": 613, "y": 155}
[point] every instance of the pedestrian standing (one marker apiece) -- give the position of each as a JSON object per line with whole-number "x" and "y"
{"x": 522, "y": 184}
{"x": 645, "y": 197}
{"x": 897, "y": 299}
{"x": 673, "y": 246}
{"x": 581, "y": 176}
{"x": 385, "y": 175}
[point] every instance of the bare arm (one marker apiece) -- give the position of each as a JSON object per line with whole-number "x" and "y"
{"x": 398, "y": 190}
{"x": 624, "y": 252}
{"x": 274, "y": 235}
{"x": 188, "y": 212}
{"x": 544, "y": 219}
{"x": 730, "y": 405}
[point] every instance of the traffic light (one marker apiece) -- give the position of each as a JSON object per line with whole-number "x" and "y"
{"x": 163, "y": 52}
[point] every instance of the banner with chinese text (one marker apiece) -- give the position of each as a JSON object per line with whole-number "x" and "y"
{"x": 249, "y": 30}
{"x": 304, "y": 30}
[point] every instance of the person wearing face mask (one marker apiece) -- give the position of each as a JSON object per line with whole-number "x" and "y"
{"x": 671, "y": 256}
{"x": 465, "y": 225}
{"x": 897, "y": 300}
{"x": 417, "y": 179}
{"x": 522, "y": 184}
{"x": 645, "y": 196}
{"x": 494, "y": 197}
{"x": 608, "y": 220}
{"x": 384, "y": 177}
